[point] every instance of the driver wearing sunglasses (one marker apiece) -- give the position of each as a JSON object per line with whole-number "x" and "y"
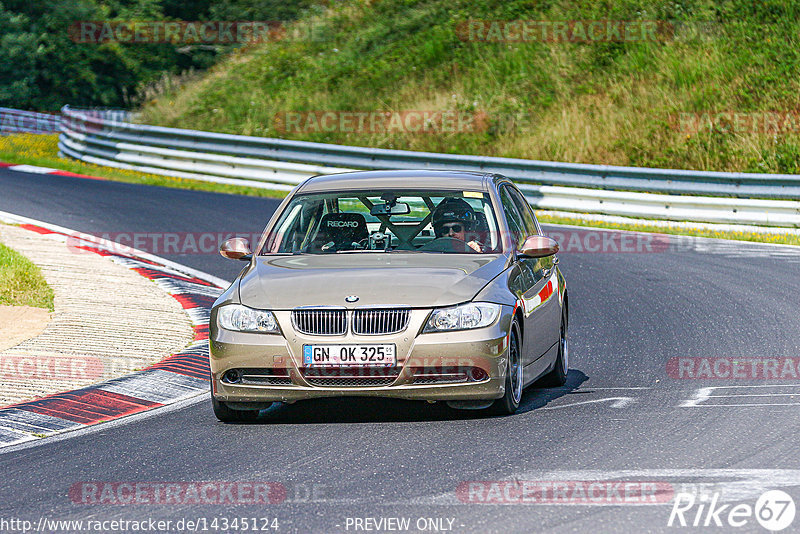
{"x": 453, "y": 218}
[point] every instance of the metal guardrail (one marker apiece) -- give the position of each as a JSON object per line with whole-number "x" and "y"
{"x": 716, "y": 197}
{"x": 19, "y": 121}
{"x": 108, "y": 140}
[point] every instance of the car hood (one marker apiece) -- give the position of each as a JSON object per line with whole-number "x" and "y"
{"x": 417, "y": 279}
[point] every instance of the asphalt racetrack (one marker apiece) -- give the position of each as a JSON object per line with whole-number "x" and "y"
{"x": 626, "y": 415}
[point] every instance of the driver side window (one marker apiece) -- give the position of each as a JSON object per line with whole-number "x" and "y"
{"x": 531, "y": 227}
{"x": 516, "y": 223}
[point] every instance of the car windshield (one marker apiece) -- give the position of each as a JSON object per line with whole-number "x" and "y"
{"x": 443, "y": 222}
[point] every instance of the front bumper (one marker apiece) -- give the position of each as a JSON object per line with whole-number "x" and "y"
{"x": 483, "y": 348}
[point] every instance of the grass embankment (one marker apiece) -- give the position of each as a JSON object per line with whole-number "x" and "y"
{"x": 42, "y": 150}
{"x": 21, "y": 282}
{"x": 615, "y": 103}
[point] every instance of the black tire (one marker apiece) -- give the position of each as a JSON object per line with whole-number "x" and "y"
{"x": 228, "y": 415}
{"x": 558, "y": 376}
{"x": 509, "y": 402}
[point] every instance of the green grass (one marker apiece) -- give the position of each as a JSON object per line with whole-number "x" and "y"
{"x": 605, "y": 103}
{"x": 21, "y": 282}
{"x": 42, "y": 150}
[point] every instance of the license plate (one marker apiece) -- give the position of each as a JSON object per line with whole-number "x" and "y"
{"x": 349, "y": 355}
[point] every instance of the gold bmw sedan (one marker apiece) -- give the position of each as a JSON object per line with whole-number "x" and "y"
{"x": 427, "y": 285}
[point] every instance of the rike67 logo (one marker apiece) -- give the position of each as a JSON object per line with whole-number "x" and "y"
{"x": 774, "y": 510}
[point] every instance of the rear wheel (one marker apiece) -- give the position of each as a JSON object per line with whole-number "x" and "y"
{"x": 558, "y": 376}
{"x": 509, "y": 402}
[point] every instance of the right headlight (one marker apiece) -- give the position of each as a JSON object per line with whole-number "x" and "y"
{"x": 463, "y": 317}
{"x": 243, "y": 319}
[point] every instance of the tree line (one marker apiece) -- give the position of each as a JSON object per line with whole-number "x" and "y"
{"x": 44, "y": 66}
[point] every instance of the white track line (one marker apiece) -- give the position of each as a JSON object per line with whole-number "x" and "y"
{"x": 110, "y": 245}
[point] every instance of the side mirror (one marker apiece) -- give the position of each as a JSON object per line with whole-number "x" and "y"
{"x": 236, "y": 248}
{"x": 538, "y": 246}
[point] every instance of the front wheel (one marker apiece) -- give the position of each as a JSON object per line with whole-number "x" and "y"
{"x": 227, "y": 414}
{"x": 509, "y": 402}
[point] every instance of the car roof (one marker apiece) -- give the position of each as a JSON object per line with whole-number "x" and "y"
{"x": 412, "y": 179}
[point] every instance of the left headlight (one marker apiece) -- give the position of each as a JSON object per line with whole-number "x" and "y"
{"x": 463, "y": 317}
{"x": 243, "y": 319}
